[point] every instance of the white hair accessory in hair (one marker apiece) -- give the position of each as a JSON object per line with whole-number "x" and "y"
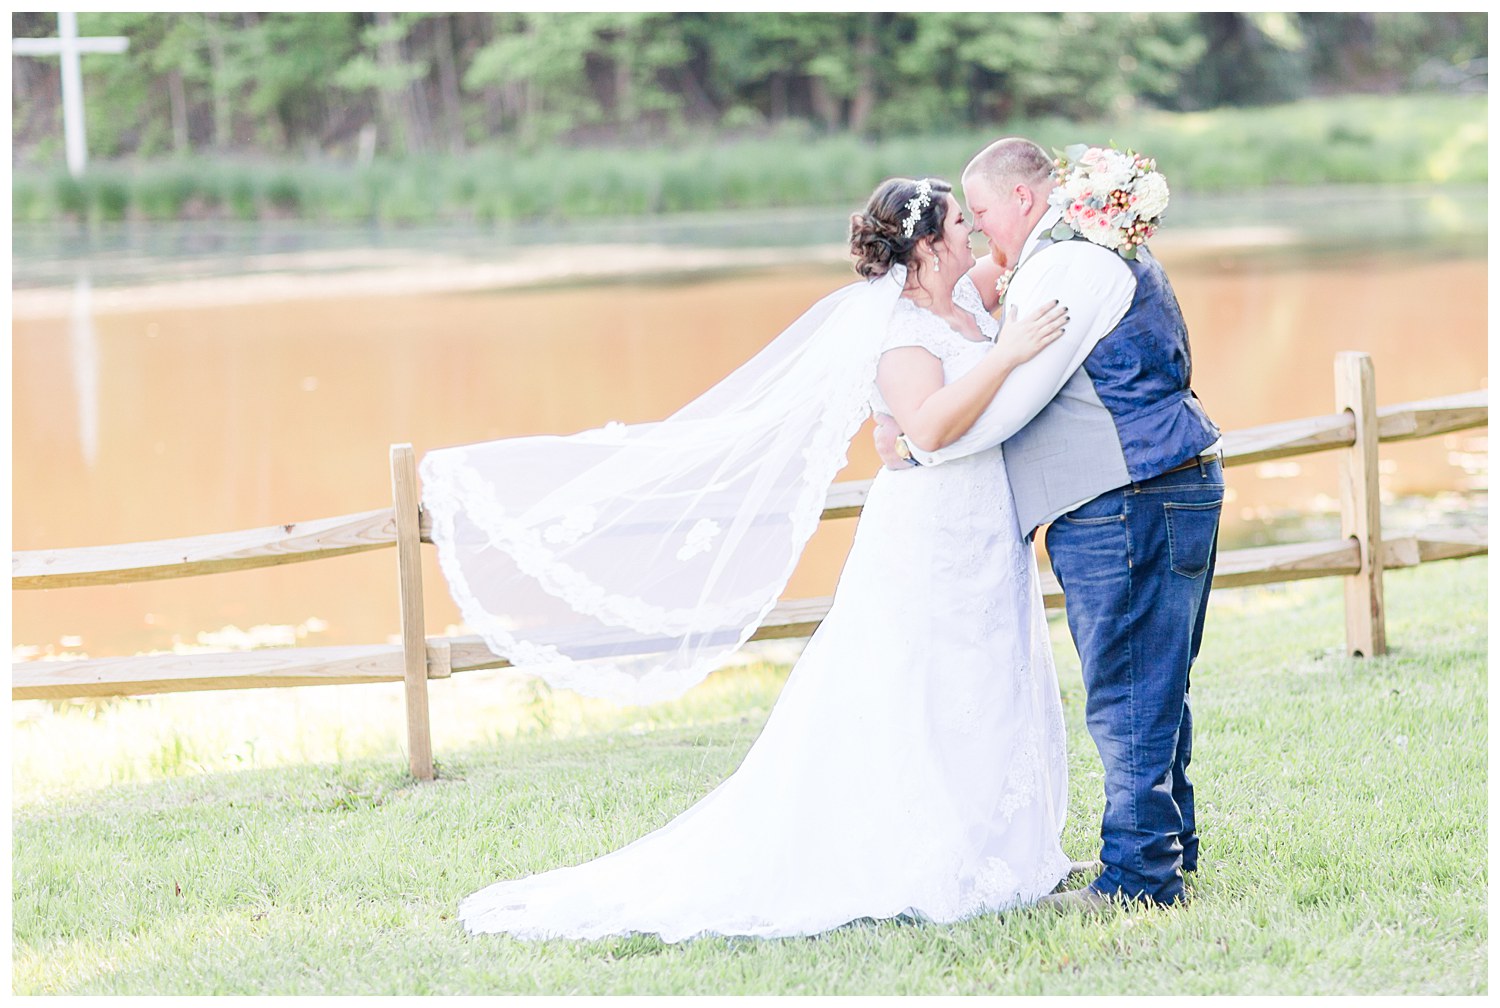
{"x": 918, "y": 203}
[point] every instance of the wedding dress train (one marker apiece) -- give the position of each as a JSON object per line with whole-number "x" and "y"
{"x": 913, "y": 764}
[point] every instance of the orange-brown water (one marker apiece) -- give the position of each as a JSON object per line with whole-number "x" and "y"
{"x": 157, "y": 424}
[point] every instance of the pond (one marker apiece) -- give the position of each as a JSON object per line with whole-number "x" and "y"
{"x": 172, "y": 382}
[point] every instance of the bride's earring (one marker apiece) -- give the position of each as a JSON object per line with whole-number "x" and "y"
{"x": 936, "y": 263}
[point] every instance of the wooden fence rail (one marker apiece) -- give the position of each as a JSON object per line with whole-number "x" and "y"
{"x": 369, "y": 530}
{"x": 1360, "y": 557}
{"x": 313, "y": 666}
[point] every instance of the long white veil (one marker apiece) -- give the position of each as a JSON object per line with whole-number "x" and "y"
{"x": 630, "y": 561}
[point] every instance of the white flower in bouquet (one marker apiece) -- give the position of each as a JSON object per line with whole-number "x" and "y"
{"x": 1151, "y": 195}
{"x": 1114, "y": 172}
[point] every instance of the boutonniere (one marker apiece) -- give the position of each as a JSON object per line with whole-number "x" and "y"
{"x": 1003, "y": 284}
{"x": 1109, "y": 197}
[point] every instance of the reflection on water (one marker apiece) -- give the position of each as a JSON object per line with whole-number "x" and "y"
{"x": 165, "y": 422}
{"x": 83, "y": 345}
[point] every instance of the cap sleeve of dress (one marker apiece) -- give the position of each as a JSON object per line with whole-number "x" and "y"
{"x": 911, "y": 326}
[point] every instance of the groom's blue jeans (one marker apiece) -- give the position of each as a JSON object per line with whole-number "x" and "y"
{"x": 1135, "y": 566}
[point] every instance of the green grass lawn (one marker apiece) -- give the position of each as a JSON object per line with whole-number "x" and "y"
{"x": 1342, "y": 807}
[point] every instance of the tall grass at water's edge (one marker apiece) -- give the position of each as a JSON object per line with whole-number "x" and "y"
{"x": 1342, "y": 808}
{"x": 1398, "y": 140}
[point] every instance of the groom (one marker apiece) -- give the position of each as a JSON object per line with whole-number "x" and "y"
{"x": 1104, "y": 439}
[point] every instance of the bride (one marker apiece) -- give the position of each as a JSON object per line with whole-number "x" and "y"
{"x": 914, "y": 762}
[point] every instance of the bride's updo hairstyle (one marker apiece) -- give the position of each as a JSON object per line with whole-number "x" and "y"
{"x": 878, "y": 238}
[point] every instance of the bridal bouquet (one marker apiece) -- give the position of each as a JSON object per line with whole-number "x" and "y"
{"x": 1111, "y": 198}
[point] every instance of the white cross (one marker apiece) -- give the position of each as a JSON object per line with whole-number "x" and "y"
{"x": 69, "y": 46}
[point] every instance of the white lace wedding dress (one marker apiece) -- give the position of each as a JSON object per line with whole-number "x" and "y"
{"x": 914, "y": 762}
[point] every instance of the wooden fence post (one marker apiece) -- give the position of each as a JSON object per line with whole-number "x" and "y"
{"x": 1359, "y": 495}
{"x": 413, "y": 630}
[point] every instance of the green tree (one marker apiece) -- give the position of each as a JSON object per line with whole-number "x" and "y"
{"x": 310, "y": 83}
{"x": 978, "y": 69}
{"x": 1255, "y": 58}
{"x": 296, "y": 56}
{"x": 1394, "y": 51}
{"x": 383, "y": 67}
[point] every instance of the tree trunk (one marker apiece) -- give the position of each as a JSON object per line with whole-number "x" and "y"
{"x": 624, "y": 96}
{"x": 417, "y": 108}
{"x": 223, "y": 126}
{"x": 825, "y": 105}
{"x": 530, "y": 98}
{"x": 447, "y": 64}
{"x": 701, "y": 106}
{"x": 392, "y": 110}
{"x": 863, "y": 103}
{"x": 177, "y": 96}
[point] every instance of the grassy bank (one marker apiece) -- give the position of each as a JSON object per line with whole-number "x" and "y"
{"x": 1396, "y": 140}
{"x": 1343, "y": 808}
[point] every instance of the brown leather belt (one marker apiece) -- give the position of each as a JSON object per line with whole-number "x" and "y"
{"x": 1200, "y": 460}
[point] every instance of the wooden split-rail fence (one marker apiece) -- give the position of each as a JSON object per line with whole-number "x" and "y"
{"x": 1360, "y": 556}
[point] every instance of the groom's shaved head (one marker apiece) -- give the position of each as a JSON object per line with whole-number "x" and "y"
{"x": 1009, "y": 161}
{"x": 1007, "y": 186}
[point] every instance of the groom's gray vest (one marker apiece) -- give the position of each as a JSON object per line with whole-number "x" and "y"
{"x": 1125, "y": 416}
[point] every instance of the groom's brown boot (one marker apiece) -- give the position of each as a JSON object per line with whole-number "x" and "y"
{"x": 1078, "y": 870}
{"x": 1085, "y": 900}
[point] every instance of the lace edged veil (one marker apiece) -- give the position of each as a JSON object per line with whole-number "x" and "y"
{"x": 628, "y": 562}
